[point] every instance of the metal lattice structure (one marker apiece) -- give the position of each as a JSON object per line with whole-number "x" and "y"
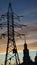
{"x": 11, "y": 45}
{"x": 10, "y": 31}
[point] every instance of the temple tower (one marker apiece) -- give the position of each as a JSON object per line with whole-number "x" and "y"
{"x": 26, "y": 57}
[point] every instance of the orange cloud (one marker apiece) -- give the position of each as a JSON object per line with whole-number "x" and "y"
{"x": 21, "y": 47}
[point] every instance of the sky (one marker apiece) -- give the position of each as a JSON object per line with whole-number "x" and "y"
{"x": 28, "y": 9}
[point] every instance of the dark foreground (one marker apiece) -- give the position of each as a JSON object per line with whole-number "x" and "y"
{"x": 31, "y": 63}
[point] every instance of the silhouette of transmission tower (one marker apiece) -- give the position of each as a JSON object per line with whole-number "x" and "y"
{"x": 11, "y": 51}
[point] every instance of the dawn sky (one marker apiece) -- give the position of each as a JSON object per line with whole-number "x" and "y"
{"x": 27, "y": 8}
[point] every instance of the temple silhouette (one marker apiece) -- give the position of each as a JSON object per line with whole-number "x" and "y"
{"x": 26, "y": 58}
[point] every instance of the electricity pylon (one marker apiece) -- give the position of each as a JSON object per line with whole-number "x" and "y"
{"x": 11, "y": 45}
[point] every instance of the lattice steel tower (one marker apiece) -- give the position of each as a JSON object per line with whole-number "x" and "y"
{"x": 11, "y": 51}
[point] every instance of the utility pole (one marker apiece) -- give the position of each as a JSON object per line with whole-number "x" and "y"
{"x": 11, "y": 39}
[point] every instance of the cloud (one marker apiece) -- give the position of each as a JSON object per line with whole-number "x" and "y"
{"x": 32, "y": 45}
{"x": 29, "y": 12}
{"x": 31, "y": 37}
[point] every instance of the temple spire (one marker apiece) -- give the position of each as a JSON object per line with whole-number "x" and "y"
{"x": 26, "y": 57}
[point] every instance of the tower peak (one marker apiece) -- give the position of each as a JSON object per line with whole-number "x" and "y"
{"x": 25, "y": 45}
